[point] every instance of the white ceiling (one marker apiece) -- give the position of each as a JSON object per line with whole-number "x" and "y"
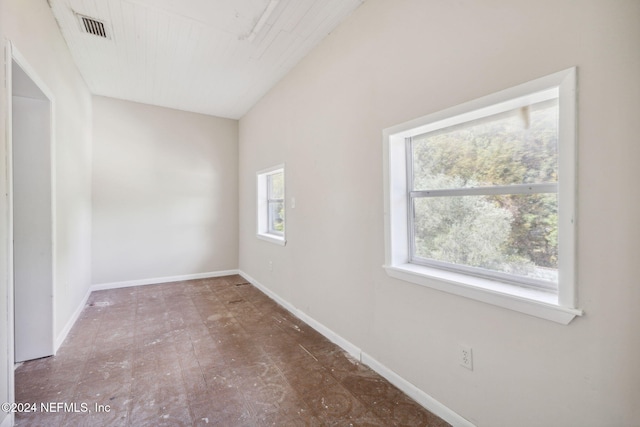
{"x": 216, "y": 57}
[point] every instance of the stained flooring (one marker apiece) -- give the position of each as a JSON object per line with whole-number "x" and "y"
{"x": 210, "y": 352}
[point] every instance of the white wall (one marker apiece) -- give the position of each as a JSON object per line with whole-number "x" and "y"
{"x": 32, "y": 226}
{"x": 396, "y": 60}
{"x": 30, "y": 25}
{"x": 165, "y": 192}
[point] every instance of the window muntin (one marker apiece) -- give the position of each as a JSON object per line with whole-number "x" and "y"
{"x": 482, "y": 195}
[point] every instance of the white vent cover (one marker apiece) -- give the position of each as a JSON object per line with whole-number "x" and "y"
{"x": 93, "y": 26}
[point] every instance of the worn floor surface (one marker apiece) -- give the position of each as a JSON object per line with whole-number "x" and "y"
{"x": 211, "y": 352}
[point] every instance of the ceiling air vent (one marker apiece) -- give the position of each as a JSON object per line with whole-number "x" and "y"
{"x": 93, "y": 26}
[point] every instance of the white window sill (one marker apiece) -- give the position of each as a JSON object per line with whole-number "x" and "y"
{"x": 273, "y": 238}
{"x": 524, "y": 300}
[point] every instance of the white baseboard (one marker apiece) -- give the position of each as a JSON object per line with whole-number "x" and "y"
{"x": 412, "y": 391}
{"x": 67, "y": 327}
{"x": 8, "y": 421}
{"x": 115, "y": 285}
{"x": 328, "y": 333}
{"x": 156, "y": 280}
{"x": 416, "y": 394}
{"x": 268, "y": 292}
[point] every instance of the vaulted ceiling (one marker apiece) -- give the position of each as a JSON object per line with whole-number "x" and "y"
{"x": 216, "y": 57}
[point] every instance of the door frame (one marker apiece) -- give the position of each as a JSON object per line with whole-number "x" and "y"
{"x": 12, "y": 54}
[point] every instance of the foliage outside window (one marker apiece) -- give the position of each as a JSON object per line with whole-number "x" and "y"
{"x": 275, "y": 201}
{"x": 271, "y": 205}
{"x": 479, "y": 199}
{"x": 483, "y": 195}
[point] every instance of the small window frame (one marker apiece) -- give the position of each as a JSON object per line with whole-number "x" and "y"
{"x": 265, "y": 230}
{"x": 560, "y": 307}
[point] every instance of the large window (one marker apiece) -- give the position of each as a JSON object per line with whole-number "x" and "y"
{"x": 480, "y": 198}
{"x": 482, "y": 194}
{"x": 271, "y": 204}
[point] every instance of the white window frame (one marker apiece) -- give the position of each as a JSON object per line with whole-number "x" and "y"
{"x": 262, "y": 191}
{"x": 560, "y": 307}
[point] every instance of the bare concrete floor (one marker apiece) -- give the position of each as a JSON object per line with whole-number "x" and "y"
{"x": 210, "y": 352}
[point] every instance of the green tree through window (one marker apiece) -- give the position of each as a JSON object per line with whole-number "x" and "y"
{"x": 513, "y": 232}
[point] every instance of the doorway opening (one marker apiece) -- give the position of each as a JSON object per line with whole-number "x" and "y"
{"x": 31, "y": 199}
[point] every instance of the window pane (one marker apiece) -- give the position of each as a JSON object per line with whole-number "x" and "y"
{"x": 276, "y": 186}
{"x": 514, "y": 147}
{"x": 513, "y": 234}
{"x": 276, "y": 217}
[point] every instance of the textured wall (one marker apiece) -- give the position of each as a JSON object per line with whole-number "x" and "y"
{"x": 30, "y": 26}
{"x": 165, "y": 192}
{"x": 396, "y": 60}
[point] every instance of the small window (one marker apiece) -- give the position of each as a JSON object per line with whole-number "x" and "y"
{"x": 271, "y": 205}
{"x": 480, "y": 198}
{"x": 275, "y": 200}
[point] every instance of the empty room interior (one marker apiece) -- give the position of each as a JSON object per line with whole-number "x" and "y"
{"x": 320, "y": 212}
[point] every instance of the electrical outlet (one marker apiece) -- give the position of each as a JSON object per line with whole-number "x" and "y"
{"x": 465, "y": 355}
{"x": 270, "y": 265}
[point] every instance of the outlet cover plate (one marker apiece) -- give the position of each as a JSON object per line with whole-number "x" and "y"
{"x": 465, "y": 356}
